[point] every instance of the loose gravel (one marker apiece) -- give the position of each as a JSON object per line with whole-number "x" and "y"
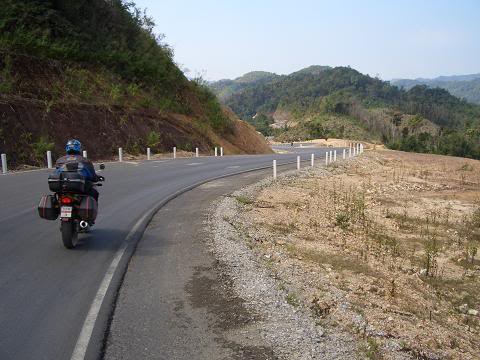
{"x": 285, "y": 323}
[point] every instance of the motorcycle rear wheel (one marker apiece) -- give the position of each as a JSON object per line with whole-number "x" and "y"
{"x": 69, "y": 234}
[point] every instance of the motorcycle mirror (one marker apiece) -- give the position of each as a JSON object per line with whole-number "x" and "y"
{"x": 102, "y": 166}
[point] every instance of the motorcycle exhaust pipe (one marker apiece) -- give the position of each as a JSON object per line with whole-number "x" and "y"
{"x": 83, "y": 224}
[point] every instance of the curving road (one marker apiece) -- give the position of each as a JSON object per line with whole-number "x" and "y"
{"x": 46, "y": 291}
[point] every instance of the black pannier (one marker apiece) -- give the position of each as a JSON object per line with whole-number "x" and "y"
{"x": 87, "y": 210}
{"x": 48, "y": 207}
{"x": 66, "y": 181}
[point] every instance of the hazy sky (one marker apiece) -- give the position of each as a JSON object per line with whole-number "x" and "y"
{"x": 391, "y": 38}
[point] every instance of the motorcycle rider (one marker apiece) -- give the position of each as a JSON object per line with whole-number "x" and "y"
{"x": 84, "y": 166}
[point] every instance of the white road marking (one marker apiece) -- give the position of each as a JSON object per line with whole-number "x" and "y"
{"x": 193, "y": 164}
{"x": 233, "y": 167}
{"x": 85, "y": 335}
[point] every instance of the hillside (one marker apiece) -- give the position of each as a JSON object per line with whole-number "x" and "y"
{"x": 96, "y": 71}
{"x": 463, "y": 86}
{"x": 226, "y": 88}
{"x": 341, "y": 102}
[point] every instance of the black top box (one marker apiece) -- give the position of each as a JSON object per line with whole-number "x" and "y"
{"x": 66, "y": 182}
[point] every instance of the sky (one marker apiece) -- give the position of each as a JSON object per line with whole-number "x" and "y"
{"x": 221, "y": 39}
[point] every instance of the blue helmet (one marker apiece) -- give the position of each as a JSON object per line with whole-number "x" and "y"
{"x": 73, "y": 147}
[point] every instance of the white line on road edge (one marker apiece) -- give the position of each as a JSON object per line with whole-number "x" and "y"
{"x": 87, "y": 329}
{"x": 83, "y": 341}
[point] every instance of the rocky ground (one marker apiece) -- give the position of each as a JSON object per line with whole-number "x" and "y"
{"x": 374, "y": 257}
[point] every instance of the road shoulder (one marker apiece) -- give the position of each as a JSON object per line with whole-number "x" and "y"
{"x": 176, "y": 300}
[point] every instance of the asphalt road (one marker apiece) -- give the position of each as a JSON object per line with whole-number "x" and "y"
{"x": 176, "y": 301}
{"x": 46, "y": 291}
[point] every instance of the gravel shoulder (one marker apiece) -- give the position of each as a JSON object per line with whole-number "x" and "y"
{"x": 177, "y": 301}
{"x": 369, "y": 258}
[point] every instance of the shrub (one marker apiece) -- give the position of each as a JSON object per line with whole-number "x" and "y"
{"x": 41, "y": 147}
{"x": 153, "y": 139}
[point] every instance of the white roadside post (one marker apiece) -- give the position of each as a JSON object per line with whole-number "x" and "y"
{"x": 344, "y": 151}
{"x": 221, "y": 151}
{"x": 84, "y": 153}
{"x": 120, "y": 154}
{"x": 312, "y": 160}
{"x": 335, "y": 155}
{"x": 274, "y": 169}
{"x": 298, "y": 162}
{"x": 196, "y": 152}
{"x": 4, "y": 164}
{"x": 349, "y": 152}
{"x": 174, "y": 152}
{"x": 216, "y": 151}
{"x": 331, "y": 156}
{"x": 49, "y": 159}
{"x": 148, "y": 153}
{"x": 326, "y": 158}
{"x": 354, "y": 150}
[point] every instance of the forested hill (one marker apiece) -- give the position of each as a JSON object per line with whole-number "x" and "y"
{"x": 226, "y": 88}
{"x": 95, "y": 70}
{"x": 463, "y": 86}
{"x": 328, "y": 102}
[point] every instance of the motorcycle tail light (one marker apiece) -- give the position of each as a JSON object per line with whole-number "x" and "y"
{"x": 66, "y": 200}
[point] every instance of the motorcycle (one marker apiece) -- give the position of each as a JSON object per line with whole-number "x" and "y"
{"x": 70, "y": 201}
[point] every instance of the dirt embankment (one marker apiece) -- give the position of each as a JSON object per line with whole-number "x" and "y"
{"x": 43, "y": 103}
{"x": 383, "y": 247}
{"x": 102, "y": 130}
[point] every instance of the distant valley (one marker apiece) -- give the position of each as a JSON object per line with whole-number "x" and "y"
{"x": 322, "y": 102}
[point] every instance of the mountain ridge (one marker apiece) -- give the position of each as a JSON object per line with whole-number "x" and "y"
{"x": 462, "y": 86}
{"x": 342, "y": 102}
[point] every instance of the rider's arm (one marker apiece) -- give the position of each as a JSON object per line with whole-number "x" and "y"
{"x": 90, "y": 169}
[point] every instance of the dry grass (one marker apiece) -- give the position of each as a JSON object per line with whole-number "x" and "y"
{"x": 395, "y": 236}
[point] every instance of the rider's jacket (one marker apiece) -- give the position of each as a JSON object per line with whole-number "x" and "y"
{"x": 85, "y": 166}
